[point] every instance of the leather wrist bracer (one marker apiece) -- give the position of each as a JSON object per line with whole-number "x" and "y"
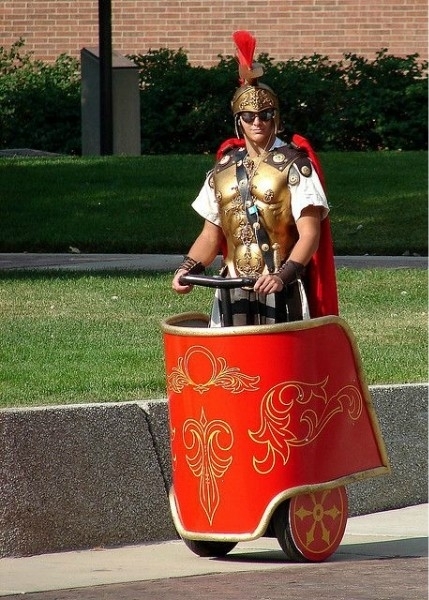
{"x": 290, "y": 271}
{"x": 190, "y": 266}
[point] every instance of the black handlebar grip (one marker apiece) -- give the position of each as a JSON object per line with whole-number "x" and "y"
{"x": 216, "y": 281}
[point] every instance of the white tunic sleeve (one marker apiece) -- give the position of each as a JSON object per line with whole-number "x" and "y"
{"x": 206, "y": 205}
{"x": 308, "y": 192}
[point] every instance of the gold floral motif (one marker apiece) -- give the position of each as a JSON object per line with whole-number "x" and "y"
{"x": 173, "y": 454}
{"x": 269, "y": 196}
{"x": 255, "y": 99}
{"x": 246, "y": 234}
{"x": 294, "y": 413}
{"x": 220, "y": 375}
{"x": 210, "y": 443}
{"x": 248, "y": 263}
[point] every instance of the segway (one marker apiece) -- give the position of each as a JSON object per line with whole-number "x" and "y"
{"x": 268, "y": 425}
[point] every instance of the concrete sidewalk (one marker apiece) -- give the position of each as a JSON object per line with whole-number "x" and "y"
{"x": 169, "y": 262}
{"x": 382, "y": 557}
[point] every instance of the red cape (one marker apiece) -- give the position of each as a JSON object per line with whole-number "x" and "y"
{"x": 322, "y": 282}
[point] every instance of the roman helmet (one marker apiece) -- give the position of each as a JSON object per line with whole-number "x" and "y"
{"x": 251, "y": 95}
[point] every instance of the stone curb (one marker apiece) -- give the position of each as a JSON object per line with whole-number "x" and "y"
{"x": 83, "y": 476}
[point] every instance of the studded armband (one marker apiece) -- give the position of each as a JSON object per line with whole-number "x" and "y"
{"x": 290, "y": 271}
{"x": 190, "y": 266}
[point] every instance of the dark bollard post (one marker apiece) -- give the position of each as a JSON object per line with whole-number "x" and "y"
{"x": 106, "y": 104}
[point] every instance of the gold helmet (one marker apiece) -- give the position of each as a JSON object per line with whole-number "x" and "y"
{"x": 251, "y": 95}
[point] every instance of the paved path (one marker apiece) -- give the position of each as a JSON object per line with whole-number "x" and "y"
{"x": 382, "y": 557}
{"x": 169, "y": 262}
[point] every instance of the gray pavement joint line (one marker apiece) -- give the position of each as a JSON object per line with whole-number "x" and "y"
{"x": 167, "y": 262}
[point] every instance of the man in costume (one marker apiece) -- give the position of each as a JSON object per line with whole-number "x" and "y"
{"x": 265, "y": 209}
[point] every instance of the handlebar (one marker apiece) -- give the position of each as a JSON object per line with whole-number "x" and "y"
{"x": 216, "y": 281}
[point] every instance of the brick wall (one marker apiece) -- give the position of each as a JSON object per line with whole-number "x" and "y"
{"x": 284, "y": 29}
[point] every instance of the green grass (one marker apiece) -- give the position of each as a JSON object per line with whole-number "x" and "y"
{"x": 73, "y": 338}
{"x": 142, "y": 204}
{"x": 375, "y": 207}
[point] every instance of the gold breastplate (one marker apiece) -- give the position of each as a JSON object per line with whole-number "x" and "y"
{"x": 270, "y": 194}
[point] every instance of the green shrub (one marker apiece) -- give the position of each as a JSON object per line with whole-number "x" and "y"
{"x": 311, "y": 91}
{"x": 354, "y": 104}
{"x": 184, "y": 109}
{"x": 386, "y": 103}
{"x": 39, "y": 102}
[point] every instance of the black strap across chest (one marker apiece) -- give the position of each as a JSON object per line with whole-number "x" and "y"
{"x": 253, "y": 216}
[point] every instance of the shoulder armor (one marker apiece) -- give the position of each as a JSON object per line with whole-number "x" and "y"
{"x": 293, "y": 177}
{"x": 229, "y": 158}
{"x": 209, "y": 178}
{"x": 282, "y": 157}
{"x": 303, "y": 164}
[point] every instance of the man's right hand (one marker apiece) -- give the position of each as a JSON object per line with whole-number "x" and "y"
{"x": 177, "y": 286}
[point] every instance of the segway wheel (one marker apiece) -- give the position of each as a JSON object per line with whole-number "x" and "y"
{"x": 208, "y": 549}
{"x": 310, "y": 527}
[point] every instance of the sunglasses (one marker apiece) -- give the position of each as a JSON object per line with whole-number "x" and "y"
{"x": 264, "y": 115}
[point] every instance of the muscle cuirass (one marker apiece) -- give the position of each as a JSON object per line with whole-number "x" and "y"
{"x": 270, "y": 195}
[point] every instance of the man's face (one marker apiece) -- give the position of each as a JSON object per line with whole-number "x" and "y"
{"x": 258, "y": 127}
